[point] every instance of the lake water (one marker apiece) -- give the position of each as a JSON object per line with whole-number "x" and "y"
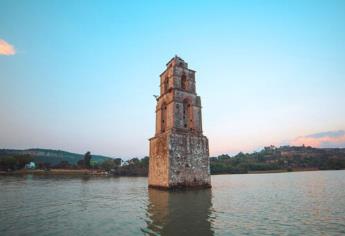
{"x": 308, "y": 203}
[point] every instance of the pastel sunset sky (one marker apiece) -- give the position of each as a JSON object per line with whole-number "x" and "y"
{"x": 80, "y": 75}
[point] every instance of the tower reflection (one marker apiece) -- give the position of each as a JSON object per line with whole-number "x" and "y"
{"x": 179, "y": 213}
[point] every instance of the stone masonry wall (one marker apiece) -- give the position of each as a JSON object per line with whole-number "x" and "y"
{"x": 159, "y": 162}
{"x": 179, "y": 160}
{"x": 188, "y": 160}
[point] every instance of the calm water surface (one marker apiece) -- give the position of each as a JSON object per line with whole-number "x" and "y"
{"x": 308, "y": 203}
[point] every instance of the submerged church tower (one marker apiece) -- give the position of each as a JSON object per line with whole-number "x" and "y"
{"x": 179, "y": 155}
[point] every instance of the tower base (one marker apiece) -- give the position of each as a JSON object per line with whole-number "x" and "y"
{"x": 179, "y": 160}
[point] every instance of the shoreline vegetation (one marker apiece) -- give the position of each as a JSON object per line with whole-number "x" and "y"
{"x": 269, "y": 160}
{"x": 87, "y": 172}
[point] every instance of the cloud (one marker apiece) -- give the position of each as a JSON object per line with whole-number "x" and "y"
{"x": 322, "y": 140}
{"x": 6, "y": 48}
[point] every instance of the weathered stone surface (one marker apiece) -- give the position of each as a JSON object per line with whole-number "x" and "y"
{"x": 188, "y": 160}
{"x": 179, "y": 155}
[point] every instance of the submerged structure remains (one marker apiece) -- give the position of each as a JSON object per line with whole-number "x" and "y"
{"x": 179, "y": 154}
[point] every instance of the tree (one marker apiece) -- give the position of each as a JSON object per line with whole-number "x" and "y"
{"x": 80, "y": 163}
{"x": 111, "y": 164}
{"x": 145, "y": 161}
{"x": 14, "y": 162}
{"x": 118, "y": 162}
{"x": 87, "y": 159}
{"x": 7, "y": 163}
{"x": 63, "y": 165}
{"x": 22, "y": 160}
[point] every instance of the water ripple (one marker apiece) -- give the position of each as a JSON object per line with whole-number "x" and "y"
{"x": 310, "y": 203}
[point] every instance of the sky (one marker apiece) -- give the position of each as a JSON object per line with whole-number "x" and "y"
{"x": 80, "y": 75}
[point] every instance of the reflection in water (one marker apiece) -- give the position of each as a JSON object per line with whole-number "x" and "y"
{"x": 179, "y": 213}
{"x": 85, "y": 178}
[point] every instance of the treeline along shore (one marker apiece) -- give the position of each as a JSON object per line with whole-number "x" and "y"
{"x": 270, "y": 159}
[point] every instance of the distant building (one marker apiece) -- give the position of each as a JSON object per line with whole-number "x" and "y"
{"x": 179, "y": 154}
{"x": 30, "y": 165}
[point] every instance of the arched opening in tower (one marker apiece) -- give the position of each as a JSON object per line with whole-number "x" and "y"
{"x": 184, "y": 82}
{"x": 166, "y": 85}
{"x": 187, "y": 114}
{"x": 163, "y": 117}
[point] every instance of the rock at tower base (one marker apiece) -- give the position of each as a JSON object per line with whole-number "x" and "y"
{"x": 179, "y": 160}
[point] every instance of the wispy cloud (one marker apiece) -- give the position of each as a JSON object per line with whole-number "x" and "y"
{"x": 322, "y": 140}
{"x": 6, "y": 48}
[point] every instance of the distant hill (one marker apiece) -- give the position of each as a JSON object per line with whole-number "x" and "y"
{"x": 53, "y": 157}
{"x": 280, "y": 158}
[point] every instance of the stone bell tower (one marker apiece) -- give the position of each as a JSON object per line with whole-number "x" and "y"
{"x": 179, "y": 155}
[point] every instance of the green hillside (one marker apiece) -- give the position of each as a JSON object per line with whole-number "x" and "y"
{"x": 53, "y": 157}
